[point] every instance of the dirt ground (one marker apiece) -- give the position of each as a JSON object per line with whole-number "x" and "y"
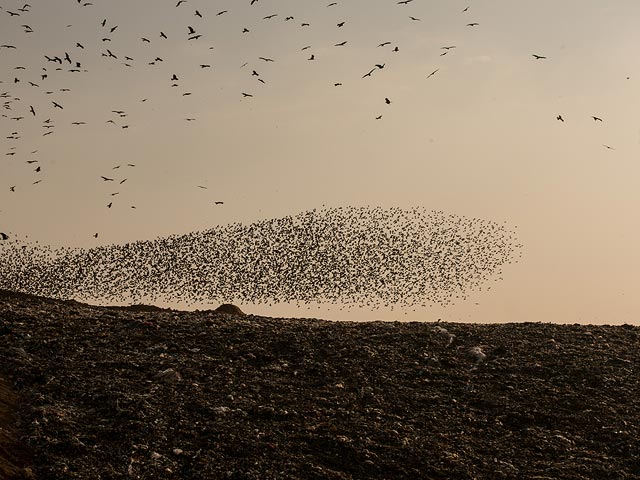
{"x": 144, "y": 393}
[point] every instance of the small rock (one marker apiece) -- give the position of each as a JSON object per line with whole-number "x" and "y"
{"x": 169, "y": 376}
{"x": 229, "y": 309}
{"x": 477, "y": 354}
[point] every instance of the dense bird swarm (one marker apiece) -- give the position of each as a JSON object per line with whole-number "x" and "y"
{"x": 144, "y": 393}
{"x": 352, "y": 256}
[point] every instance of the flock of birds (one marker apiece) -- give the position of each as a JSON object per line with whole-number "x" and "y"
{"x": 366, "y": 257}
{"x": 370, "y": 257}
{"x": 40, "y": 94}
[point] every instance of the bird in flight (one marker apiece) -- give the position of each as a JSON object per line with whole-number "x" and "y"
{"x": 4, "y": 236}
{"x": 596, "y": 119}
{"x": 218, "y": 203}
{"x": 538, "y": 57}
{"x": 559, "y": 117}
{"x": 433, "y": 73}
{"x": 368, "y": 74}
{"x": 106, "y": 179}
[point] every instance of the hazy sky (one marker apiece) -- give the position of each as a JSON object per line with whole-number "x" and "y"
{"x": 479, "y": 138}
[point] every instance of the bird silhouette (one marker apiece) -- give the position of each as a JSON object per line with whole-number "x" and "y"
{"x": 368, "y": 74}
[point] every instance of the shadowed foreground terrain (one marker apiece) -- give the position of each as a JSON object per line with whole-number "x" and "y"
{"x": 108, "y": 393}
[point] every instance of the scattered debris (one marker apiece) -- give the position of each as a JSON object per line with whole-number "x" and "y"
{"x": 210, "y": 395}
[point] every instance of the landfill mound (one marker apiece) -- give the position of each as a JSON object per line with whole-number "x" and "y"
{"x": 140, "y": 393}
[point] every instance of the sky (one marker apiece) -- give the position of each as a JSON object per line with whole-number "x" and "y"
{"x": 480, "y": 137}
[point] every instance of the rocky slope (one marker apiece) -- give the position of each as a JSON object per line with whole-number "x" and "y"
{"x": 144, "y": 393}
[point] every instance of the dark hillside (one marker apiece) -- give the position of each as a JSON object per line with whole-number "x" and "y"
{"x": 106, "y": 393}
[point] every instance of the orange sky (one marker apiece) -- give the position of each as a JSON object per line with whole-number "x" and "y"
{"x": 479, "y": 138}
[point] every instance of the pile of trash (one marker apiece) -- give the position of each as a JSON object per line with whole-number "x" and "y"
{"x": 142, "y": 393}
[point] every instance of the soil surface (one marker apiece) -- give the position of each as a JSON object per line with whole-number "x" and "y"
{"x": 145, "y": 393}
